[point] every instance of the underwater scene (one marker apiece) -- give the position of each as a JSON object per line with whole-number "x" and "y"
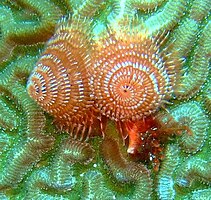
{"x": 105, "y": 100}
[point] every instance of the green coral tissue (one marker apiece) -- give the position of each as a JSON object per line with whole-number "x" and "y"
{"x": 38, "y": 160}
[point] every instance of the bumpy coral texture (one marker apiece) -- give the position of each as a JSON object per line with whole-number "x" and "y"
{"x": 136, "y": 72}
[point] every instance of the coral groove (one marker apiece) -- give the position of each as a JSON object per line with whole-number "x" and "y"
{"x": 165, "y": 186}
{"x": 192, "y": 115}
{"x": 126, "y": 171}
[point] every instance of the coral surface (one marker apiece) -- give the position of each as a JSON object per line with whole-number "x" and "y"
{"x": 46, "y": 153}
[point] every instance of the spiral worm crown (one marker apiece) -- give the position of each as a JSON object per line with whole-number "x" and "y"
{"x": 60, "y": 82}
{"x": 131, "y": 75}
{"x": 123, "y": 74}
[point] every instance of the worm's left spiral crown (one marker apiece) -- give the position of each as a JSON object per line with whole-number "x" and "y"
{"x": 59, "y": 82}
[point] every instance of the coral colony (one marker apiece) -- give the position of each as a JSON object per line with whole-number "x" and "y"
{"x": 105, "y": 99}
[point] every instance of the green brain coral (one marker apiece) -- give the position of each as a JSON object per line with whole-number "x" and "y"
{"x": 37, "y": 162}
